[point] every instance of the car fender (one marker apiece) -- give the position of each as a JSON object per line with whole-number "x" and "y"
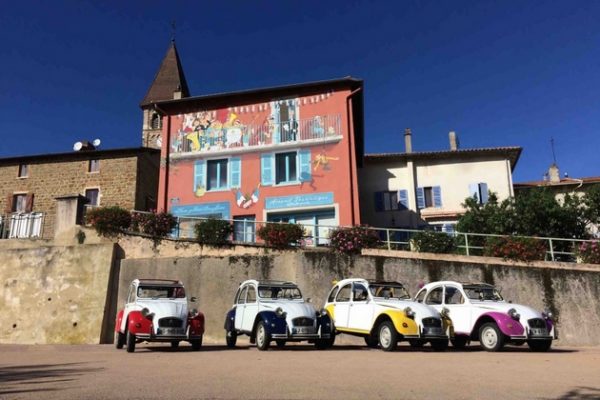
{"x": 229, "y": 324}
{"x": 119, "y": 321}
{"x": 403, "y": 324}
{"x": 273, "y": 324}
{"x": 196, "y": 325}
{"x": 325, "y": 323}
{"x": 137, "y": 323}
{"x": 507, "y": 325}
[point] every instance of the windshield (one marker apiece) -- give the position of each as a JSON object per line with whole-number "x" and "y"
{"x": 161, "y": 292}
{"x": 279, "y": 292}
{"x": 482, "y": 292}
{"x": 389, "y": 291}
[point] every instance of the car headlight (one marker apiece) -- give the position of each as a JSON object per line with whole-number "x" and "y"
{"x": 194, "y": 312}
{"x": 322, "y": 313}
{"x": 409, "y": 312}
{"x": 547, "y": 314}
{"x": 280, "y": 313}
{"x": 145, "y": 312}
{"x": 445, "y": 312}
{"x": 514, "y": 314}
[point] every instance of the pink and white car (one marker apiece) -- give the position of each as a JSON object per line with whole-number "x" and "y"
{"x": 479, "y": 313}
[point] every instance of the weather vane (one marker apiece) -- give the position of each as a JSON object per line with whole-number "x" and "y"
{"x": 173, "y": 30}
{"x": 553, "y": 153}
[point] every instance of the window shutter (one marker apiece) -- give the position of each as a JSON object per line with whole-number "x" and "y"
{"x": 420, "y": 198}
{"x": 199, "y": 175}
{"x": 9, "y": 204}
{"x": 437, "y": 196}
{"x": 483, "y": 189}
{"x": 403, "y": 199}
{"x": 29, "y": 203}
{"x": 448, "y": 228}
{"x": 304, "y": 156}
{"x": 378, "y": 201}
{"x": 235, "y": 173}
{"x": 474, "y": 191}
{"x": 266, "y": 169}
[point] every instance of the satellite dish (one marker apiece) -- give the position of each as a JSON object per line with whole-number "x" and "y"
{"x": 96, "y": 142}
{"x": 77, "y": 146}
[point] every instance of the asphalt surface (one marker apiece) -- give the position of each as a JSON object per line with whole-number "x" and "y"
{"x": 295, "y": 372}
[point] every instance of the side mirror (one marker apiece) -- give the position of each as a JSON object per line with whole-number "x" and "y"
{"x": 193, "y": 299}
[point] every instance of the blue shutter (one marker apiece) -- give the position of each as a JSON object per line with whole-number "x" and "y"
{"x": 403, "y": 199}
{"x": 474, "y": 191}
{"x": 235, "y": 173}
{"x": 483, "y": 189}
{"x": 305, "y": 175}
{"x": 420, "y": 198}
{"x": 378, "y": 201}
{"x": 437, "y": 196}
{"x": 199, "y": 175}
{"x": 266, "y": 169}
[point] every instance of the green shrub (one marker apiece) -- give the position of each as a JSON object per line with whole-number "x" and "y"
{"x": 108, "y": 221}
{"x": 156, "y": 225}
{"x": 215, "y": 232}
{"x": 353, "y": 240}
{"x": 280, "y": 236}
{"x": 589, "y": 252}
{"x": 434, "y": 242}
{"x": 515, "y": 248}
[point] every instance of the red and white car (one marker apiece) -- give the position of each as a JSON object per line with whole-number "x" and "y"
{"x": 156, "y": 310}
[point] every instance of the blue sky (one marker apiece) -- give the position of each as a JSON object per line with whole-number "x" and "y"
{"x": 499, "y": 73}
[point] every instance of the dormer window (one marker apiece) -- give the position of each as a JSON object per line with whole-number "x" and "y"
{"x": 155, "y": 121}
{"x": 23, "y": 170}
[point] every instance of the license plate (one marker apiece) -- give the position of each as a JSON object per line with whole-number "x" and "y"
{"x": 433, "y": 331}
{"x": 171, "y": 331}
{"x": 539, "y": 332}
{"x": 305, "y": 331}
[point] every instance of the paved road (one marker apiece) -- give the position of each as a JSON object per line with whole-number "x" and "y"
{"x": 295, "y": 372}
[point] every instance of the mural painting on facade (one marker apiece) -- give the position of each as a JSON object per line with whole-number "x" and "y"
{"x": 322, "y": 161}
{"x": 246, "y": 200}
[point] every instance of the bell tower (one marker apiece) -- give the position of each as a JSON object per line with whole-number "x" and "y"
{"x": 168, "y": 84}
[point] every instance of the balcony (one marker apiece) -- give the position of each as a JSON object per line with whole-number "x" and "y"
{"x": 257, "y": 137}
{"x": 21, "y": 225}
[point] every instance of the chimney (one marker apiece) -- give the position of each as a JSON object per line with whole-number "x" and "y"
{"x": 453, "y": 141}
{"x": 554, "y": 173}
{"x": 408, "y": 140}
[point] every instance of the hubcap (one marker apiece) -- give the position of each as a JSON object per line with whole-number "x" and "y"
{"x": 385, "y": 336}
{"x": 260, "y": 335}
{"x": 490, "y": 338}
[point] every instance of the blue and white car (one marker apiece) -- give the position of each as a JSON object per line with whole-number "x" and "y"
{"x": 276, "y": 311}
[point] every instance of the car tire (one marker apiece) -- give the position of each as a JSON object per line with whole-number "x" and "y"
{"x": 539, "y": 345}
{"x": 175, "y": 344}
{"x": 280, "y": 343}
{"x": 388, "y": 337}
{"x": 439, "y": 344}
{"x": 491, "y": 337}
{"x": 263, "y": 339}
{"x": 416, "y": 343}
{"x": 130, "y": 342}
{"x": 119, "y": 340}
{"x": 196, "y": 343}
{"x": 231, "y": 339}
{"x": 372, "y": 341}
{"x": 459, "y": 342}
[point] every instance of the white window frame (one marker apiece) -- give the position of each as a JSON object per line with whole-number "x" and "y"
{"x": 286, "y": 183}
{"x": 206, "y": 178}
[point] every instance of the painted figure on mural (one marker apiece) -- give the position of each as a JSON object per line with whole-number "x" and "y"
{"x": 322, "y": 160}
{"x": 290, "y": 128}
{"x": 246, "y": 200}
{"x": 317, "y": 127}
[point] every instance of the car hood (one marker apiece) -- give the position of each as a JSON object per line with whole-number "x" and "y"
{"x": 166, "y": 308}
{"x": 293, "y": 309}
{"x": 421, "y": 310}
{"x": 501, "y": 306}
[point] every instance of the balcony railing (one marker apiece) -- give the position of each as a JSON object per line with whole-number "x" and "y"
{"x": 21, "y": 225}
{"x": 238, "y": 136}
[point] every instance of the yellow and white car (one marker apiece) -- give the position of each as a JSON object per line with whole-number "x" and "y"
{"x": 384, "y": 314}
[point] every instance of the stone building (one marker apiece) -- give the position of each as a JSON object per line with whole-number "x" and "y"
{"x": 31, "y": 185}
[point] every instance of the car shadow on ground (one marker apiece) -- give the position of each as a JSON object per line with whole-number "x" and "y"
{"x": 580, "y": 393}
{"x": 19, "y": 379}
{"x": 188, "y": 349}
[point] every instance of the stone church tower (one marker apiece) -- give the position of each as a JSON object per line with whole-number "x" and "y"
{"x": 168, "y": 84}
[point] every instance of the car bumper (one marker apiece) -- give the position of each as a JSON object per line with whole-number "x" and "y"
{"x": 303, "y": 336}
{"x": 164, "y": 338}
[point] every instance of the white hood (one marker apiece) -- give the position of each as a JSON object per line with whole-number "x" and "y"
{"x": 503, "y": 307}
{"x": 166, "y": 308}
{"x": 294, "y": 309}
{"x": 421, "y": 310}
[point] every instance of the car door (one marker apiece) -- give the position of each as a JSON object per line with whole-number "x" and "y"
{"x": 435, "y": 298}
{"x": 250, "y": 309}
{"x": 342, "y": 306}
{"x": 240, "y": 306}
{"x": 460, "y": 310}
{"x": 360, "y": 313}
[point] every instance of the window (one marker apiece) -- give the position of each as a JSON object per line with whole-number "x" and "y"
{"x": 244, "y": 229}
{"x": 435, "y": 296}
{"x": 155, "y": 121}
{"x": 429, "y": 196}
{"x": 131, "y": 295}
{"x": 344, "y": 293}
{"x": 479, "y": 191}
{"x": 19, "y": 203}
{"x": 242, "y": 297}
{"x": 251, "y": 295}
{"x": 453, "y": 296}
{"x": 360, "y": 292}
{"x": 92, "y": 195}
{"x": 23, "y": 170}
{"x": 332, "y": 294}
{"x": 94, "y": 166}
{"x": 285, "y": 168}
{"x": 391, "y": 201}
{"x": 421, "y": 296}
{"x": 217, "y": 174}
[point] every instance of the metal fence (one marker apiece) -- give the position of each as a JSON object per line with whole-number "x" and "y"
{"x": 21, "y": 225}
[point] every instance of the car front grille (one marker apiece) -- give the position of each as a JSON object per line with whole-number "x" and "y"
{"x": 303, "y": 321}
{"x": 537, "y": 323}
{"x": 432, "y": 322}
{"x": 170, "y": 323}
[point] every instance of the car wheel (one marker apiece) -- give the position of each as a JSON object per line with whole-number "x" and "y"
{"x": 388, "y": 337}
{"x": 196, "y": 344}
{"x": 372, "y": 341}
{"x": 119, "y": 340}
{"x": 416, "y": 343}
{"x": 439, "y": 344}
{"x": 175, "y": 344}
{"x": 230, "y": 338}
{"x": 263, "y": 339}
{"x": 459, "y": 342}
{"x": 491, "y": 337}
{"x": 280, "y": 343}
{"x": 323, "y": 344}
{"x": 130, "y": 342}
{"x": 539, "y": 345}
